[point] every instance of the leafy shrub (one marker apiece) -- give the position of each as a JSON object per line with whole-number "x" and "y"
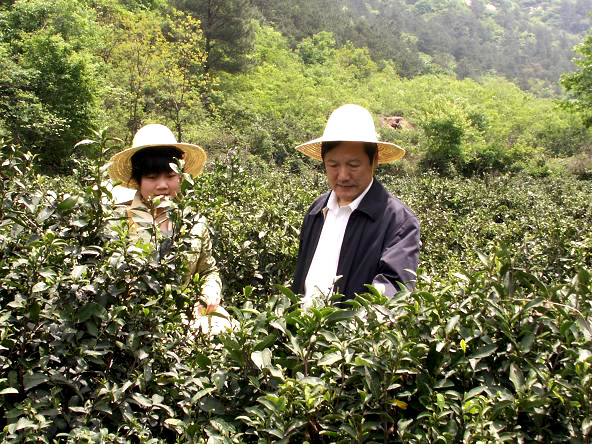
{"x": 444, "y": 151}
{"x": 91, "y": 331}
{"x": 255, "y": 213}
{"x": 541, "y": 220}
{"x": 488, "y": 159}
{"x": 49, "y": 93}
{"x": 490, "y": 347}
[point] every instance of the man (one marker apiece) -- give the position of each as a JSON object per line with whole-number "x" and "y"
{"x": 357, "y": 233}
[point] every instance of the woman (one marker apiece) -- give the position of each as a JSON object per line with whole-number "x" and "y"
{"x": 146, "y": 167}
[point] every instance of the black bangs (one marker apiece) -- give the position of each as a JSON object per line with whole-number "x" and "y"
{"x": 153, "y": 160}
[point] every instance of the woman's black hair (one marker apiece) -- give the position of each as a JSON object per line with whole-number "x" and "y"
{"x": 370, "y": 148}
{"x": 153, "y": 160}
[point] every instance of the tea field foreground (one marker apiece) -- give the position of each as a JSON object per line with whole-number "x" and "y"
{"x": 495, "y": 344}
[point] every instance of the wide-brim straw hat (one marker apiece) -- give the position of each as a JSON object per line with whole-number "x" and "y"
{"x": 351, "y": 123}
{"x": 150, "y": 136}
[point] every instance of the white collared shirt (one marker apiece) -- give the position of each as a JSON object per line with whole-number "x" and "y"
{"x": 322, "y": 273}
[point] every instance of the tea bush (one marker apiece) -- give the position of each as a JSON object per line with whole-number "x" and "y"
{"x": 543, "y": 222}
{"x": 255, "y": 213}
{"x": 494, "y": 345}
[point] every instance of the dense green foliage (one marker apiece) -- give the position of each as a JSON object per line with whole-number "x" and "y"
{"x": 579, "y": 83}
{"x": 495, "y": 344}
{"x": 527, "y": 42}
{"x": 227, "y": 31}
{"x": 263, "y": 77}
{"x": 47, "y": 87}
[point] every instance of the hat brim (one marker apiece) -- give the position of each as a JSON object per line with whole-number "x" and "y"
{"x": 120, "y": 170}
{"x": 387, "y": 152}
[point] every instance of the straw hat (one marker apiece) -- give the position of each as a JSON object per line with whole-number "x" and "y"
{"x": 154, "y": 135}
{"x": 351, "y": 123}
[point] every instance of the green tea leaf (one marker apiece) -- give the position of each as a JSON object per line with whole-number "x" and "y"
{"x": 452, "y": 323}
{"x": 202, "y": 360}
{"x": 484, "y": 351}
{"x": 473, "y": 392}
{"x": 67, "y": 204}
{"x": 91, "y": 309}
{"x": 33, "y": 380}
{"x": 141, "y": 400}
{"x": 527, "y": 342}
{"x": 330, "y": 358}
{"x": 517, "y": 377}
{"x": 212, "y": 405}
{"x": 39, "y": 287}
{"x": 585, "y": 327}
{"x": 9, "y": 391}
{"x": 24, "y": 423}
{"x": 262, "y": 359}
{"x": 341, "y": 315}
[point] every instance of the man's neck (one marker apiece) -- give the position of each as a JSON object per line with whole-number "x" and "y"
{"x": 357, "y": 199}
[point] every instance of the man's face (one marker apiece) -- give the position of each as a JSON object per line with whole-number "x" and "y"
{"x": 349, "y": 171}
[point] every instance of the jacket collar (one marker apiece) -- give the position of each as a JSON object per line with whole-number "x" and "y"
{"x": 372, "y": 204}
{"x": 140, "y": 215}
{"x": 320, "y": 204}
{"x": 375, "y": 200}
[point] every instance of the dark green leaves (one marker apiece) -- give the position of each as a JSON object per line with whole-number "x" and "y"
{"x": 94, "y": 336}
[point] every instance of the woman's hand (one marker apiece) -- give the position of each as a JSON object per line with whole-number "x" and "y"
{"x": 212, "y": 302}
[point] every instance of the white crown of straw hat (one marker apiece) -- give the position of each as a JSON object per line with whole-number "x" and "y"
{"x": 351, "y": 123}
{"x": 155, "y": 135}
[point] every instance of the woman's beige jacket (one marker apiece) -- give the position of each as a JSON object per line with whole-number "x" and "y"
{"x": 201, "y": 260}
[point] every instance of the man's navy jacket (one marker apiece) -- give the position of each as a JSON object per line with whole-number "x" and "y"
{"x": 380, "y": 243}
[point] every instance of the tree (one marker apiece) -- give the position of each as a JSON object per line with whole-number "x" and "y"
{"x": 186, "y": 84}
{"x": 46, "y": 98}
{"x": 579, "y": 83}
{"x": 298, "y": 19}
{"x": 47, "y": 88}
{"x": 157, "y": 71}
{"x": 135, "y": 61}
{"x": 317, "y": 49}
{"x": 227, "y": 30}
{"x": 356, "y": 60}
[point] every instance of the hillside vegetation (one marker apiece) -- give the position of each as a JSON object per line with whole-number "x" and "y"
{"x": 528, "y": 42}
{"x": 224, "y": 79}
{"x": 495, "y": 343}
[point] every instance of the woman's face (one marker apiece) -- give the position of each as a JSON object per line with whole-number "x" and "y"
{"x": 160, "y": 184}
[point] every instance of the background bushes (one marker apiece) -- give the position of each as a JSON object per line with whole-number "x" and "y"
{"x": 495, "y": 344}
{"x": 70, "y": 67}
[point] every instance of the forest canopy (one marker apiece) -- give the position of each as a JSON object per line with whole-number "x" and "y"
{"x": 262, "y": 76}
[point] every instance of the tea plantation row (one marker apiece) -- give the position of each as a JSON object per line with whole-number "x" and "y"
{"x": 494, "y": 345}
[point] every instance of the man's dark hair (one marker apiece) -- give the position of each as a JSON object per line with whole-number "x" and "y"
{"x": 370, "y": 148}
{"x": 153, "y": 160}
